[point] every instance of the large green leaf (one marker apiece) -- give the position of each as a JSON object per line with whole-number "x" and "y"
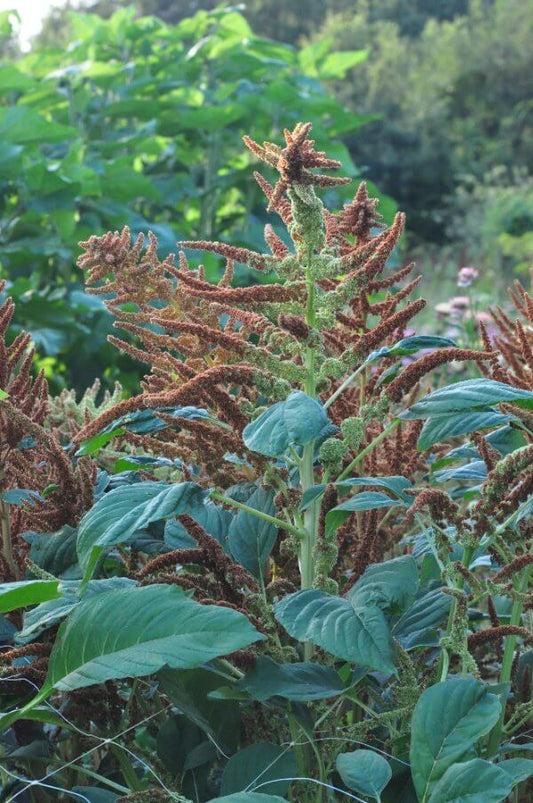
{"x": 397, "y": 485}
{"x": 441, "y": 428}
{"x": 49, "y": 613}
{"x": 189, "y": 690}
{"x": 22, "y": 125}
{"x": 136, "y": 631}
{"x": 468, "y": 395}
{"x": 299, "y": 681}
{"x": 417, "y": 627}
{"x": 393, "y": 583}
{"x": 365, "y": 771}
{"x": 448, "y": 720}
{"x": 366, "y": 500}
{"x": 259, "y": 765}
{"x": 358, "y": 634}
{"x": 251, "y": 538}
{"x": 294, "y": 422}
{"x": 519, "y": 769}
{"x": 119, "y": 514}
{"x": 23, "y": 593}
{"x": 475, "y": 781}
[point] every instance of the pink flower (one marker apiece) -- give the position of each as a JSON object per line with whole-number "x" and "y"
{"x": 467, "y": 277}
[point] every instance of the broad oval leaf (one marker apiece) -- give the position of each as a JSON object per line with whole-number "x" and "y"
{"x": 250, "y": 538}
{"x": 259, "y": 765}
{"x": 136, "y": 631}
{"x": 449, "y": 718}
{"x": 294, "y": 422}
{"x": 441, "y": 428}
{"x": 417, "y": 627}
{"x": 299, "y": 681}
{"x": 364, "y": 771}
{"x": 519, "y": 769}
{"x": 468, "y": 395}
{"x": 120, "y": 513}
{"x": 356, "y": 634}
{"x": 475, "y": 781}
{"x": 49, "y": 613}
{"x": 393, "y": 583}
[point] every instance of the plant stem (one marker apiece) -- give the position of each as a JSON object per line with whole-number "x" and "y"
{"x": 444, "y": 661}
{"x": 307, "y": 471}
{"x": 346, "y": 384}
{"x": 372, "y": 445}
{"x": 7, "y": 546}
{"x": 284, "y": 525}
{"x": 508, "y": 656}
{"x": 126, "y": 768}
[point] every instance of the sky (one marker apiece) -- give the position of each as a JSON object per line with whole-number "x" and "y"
{"x": 31, "y": 13}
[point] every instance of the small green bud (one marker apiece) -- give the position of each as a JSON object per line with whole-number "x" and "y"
{"x": 333, "y": 368}
{"x": 332, "y": 453}
{"x": 353, "y": 430}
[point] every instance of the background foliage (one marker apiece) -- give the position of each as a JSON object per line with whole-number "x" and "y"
{"x": 140, "y": 121}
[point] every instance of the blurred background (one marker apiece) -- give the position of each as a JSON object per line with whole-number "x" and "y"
{"x": 116, "y": 113}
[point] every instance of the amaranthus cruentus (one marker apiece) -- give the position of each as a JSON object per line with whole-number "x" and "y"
{"x": 31, "y": 456}
{"x": 283, "y": 537}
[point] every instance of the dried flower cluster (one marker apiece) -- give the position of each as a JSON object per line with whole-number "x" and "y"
{"x": 31, "y": 456}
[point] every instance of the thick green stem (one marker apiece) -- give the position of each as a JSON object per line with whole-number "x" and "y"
{"x": 307, "y": 471}
{"x": 508, "y": 657}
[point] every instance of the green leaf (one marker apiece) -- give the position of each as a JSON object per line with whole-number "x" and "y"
{"x": 468, "y": 395}
{"x": 417, "y": 627}
{"x": 55, "y": 552}
{"x": 294, "y": 422}
{"x": 22, "y": 125}
{"x": 393, "y": 583}
{"x": 364, "y": 771}
{"x": 356, "y": 634}
{"x": 366, "y": 500}
{"x": 519, "y": 769}
{"x": 250, "y": 538}
{"x": 396, "y": 484}
{"x": 440, "y": 428}
{"x": 261, "y": 765}
{"x": 27, "y": 592}
{"x": 3, "y": 394}
{"x": 410, "y": 345}
{"x": 475, "y": 781}
{"x": 189, "y": 689}
{"x": 335, "y": 65}
{"x": 136, "y": 631}
{"x": 49, "y": 613}
{"x": 120, "y": 513}
{"x": 299, "y": 681}
{"x": 449, "y": 718}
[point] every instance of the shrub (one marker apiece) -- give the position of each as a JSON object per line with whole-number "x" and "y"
{"x": 287, "y": 584}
